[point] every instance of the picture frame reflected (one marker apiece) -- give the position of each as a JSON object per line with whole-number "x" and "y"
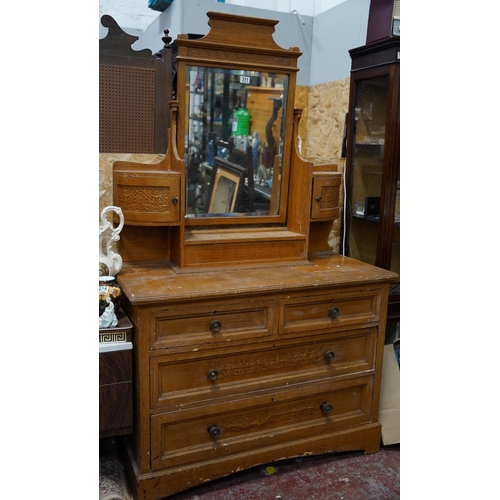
{"x": 227, "y": 182}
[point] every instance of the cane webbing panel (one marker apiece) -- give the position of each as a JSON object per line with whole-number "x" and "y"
{"x": 126, "y": 109}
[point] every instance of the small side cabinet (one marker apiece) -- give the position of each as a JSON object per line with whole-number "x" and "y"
{"x": 115, "y": 379}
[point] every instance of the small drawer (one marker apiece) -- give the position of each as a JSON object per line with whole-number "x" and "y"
{"x": 183, "y": 381}
{"x": 205, "y": 325}
{"x": 215, "y": 431}
{"x": 316, "y": 313}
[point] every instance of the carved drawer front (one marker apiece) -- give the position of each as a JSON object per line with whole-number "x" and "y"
{"x": 203, "y": 325}
{"x": 189, "y": 382}
{"x": 327, "y": 312}
{"x": 218, "y": 430}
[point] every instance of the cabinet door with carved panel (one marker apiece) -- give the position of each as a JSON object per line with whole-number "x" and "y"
{"x": 152, "y": 197}
{"x": 325, "y": 195}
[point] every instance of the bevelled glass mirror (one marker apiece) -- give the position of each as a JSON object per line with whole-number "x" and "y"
{"x": 233, "y": 141}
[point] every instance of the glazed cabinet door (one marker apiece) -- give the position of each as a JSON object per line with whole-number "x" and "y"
{"x": 372, "y": 223}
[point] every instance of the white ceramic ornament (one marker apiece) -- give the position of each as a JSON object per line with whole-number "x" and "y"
{"x": 108, "y": 256}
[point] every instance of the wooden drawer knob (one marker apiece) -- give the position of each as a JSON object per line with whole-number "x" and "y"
{"x": 334, "y": 312}
{"x": 215, "y": 326}
{"x": 213, "y": 374}
{"x": 329, "y": 355}
{"x": 325, "y": 407}
{"x": 214, "y": 431}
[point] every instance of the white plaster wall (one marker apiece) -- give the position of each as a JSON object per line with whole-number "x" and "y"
{"x": 136, "y": 14}
{"x": 335, "y": 32}
{"x": 335, "y": 27}
{"x": 133, "y": 14}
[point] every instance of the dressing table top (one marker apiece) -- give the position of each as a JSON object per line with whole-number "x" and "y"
{"x": 157, "y": 283}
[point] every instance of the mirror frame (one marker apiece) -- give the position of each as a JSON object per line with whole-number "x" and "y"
{"x": 238, "y": 43}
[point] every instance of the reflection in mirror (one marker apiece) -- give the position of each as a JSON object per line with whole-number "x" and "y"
{"x": 235, "y": 128}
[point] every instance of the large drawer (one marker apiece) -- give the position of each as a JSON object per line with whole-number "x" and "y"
{"x": 218, "y": 430}
{"x": 187, "y": 380}
{"x": 318, "y": 312}
{"x": 210, "y": 324}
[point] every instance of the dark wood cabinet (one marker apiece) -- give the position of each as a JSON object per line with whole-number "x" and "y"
{"x": 372, "y": 221}
{"x": 115, "y": 378}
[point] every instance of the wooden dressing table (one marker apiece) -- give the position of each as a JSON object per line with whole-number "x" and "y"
{"x": 253, "y": 341}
